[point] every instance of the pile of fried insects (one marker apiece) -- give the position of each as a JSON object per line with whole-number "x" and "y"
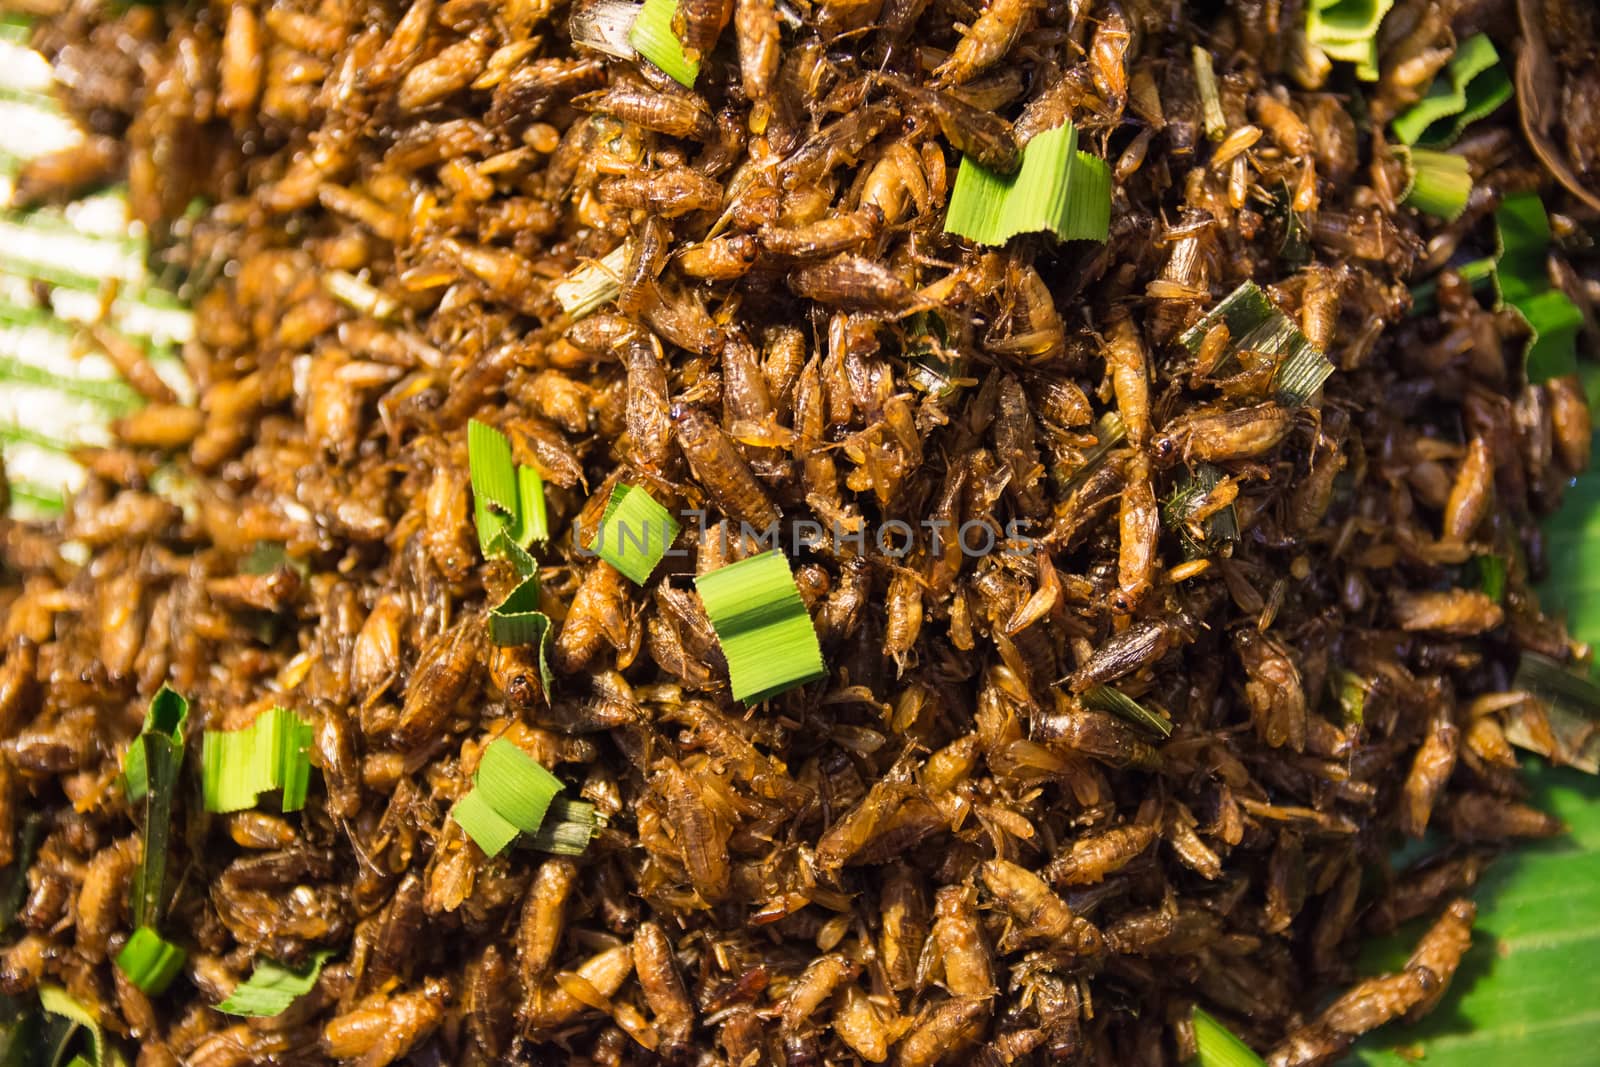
{"x": 734, "y": 532}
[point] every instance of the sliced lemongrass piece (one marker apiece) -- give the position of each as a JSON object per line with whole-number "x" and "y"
{"x": 1217, "y": 1046}
{"x": 272, "y": 987}
{"x": 1110, "y": 699}
{"x": 150, "y": 962}
{"x": 273, "y": 752}
{"x": 592, "y": 284}
{"x": 1243, "y": 310}
{"x": 1438, "y": 183}
{"x": 1256, "y": 324}
{"x": 1473, "y": 86}
{"x": 763, "y": 626}
{"x": 634, "y": 533}
{"x": 1205, "y": 80}
{"x": 488, "y": 830}
{"x": 568, "y": 827}
{"x": 1057, "y": 189}
{"x": 515, "y": 785}
{"x": 653, "y": 37}
{"x": 1523, "y": 282}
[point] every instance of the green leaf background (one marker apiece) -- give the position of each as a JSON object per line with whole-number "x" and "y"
{"x": 1528, "y": 991}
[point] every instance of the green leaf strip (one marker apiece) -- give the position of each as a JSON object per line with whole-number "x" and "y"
{"x": 1217, "y": 1045}
{"x": 1474, "y": 85}
{"x": 1347, "y": 30}
{"x": 273, "y": 752}
{"x": 1522, "y": 281}
{"x": 150, "y": 962}
{"x": 1113, "y": 700}
{"x": 483, "y": 824}
{"x": 568, "y": 827}
{"x": 515, "y": 785}
{"x": 1544, "y": 679}
{"x": 272, "y": 987}
{"x": 1256, "y": 324}
{"x": 763, "y": 626}
{"x": 150, "y": 775}
{"x": 1438, "y": 183}
{"x": 57, "y": 1001}
{"x": 634, "y": 533}
{"x": 653, "y": 37}
{"x": 1057, "y": 189}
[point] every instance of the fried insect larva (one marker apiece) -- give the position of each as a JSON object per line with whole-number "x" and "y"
{"x": 662, "y": 983}
{"x": 1038, "y": 912}
{"x": 1091, "y": 859}
{"x": 987, "y": 40}
{"x": 963, "y": 950}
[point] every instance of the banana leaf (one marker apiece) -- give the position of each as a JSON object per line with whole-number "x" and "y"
{"x": 1528, "y": 991}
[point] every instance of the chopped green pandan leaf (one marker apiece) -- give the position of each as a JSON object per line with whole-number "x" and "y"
{"x": 150, "y": 962}
{"x": 763, "y": 626}
{"x": 1347, "y": 30}
{"x": 568, "y": 827}
{"x": 488, "y": 830}
{"x": 1301, "y": 372}
{"x": 273, "y": 752}
{"x": 517, "y": 620}
{"x": 1491, "y": 574}
{"x": 1205, "y": 79}
{"x": 1057, "y": 189}
{"x": 1523, "y": 282}
{"x": 57, "y": 1001}
{"x": 506, "y": 498}
{"x": 1473, "y": 85}
{"x": 1217, "y": 1046}
{"x": 1244, "y": 309}
{"x": 1110, "y": 431}
{"x": 1350, "y": 689}
{"x": 634, "y": 533}
{"x": 515, "y": 785}
{"x": 150, "y": 775}
{"x": 495, "y": 497}
{"x": 167, "y": 713}
{"x": 272, "y": 987}
{"x": 1256, "y": 324}
{"x": 1438, "y": 183}
{"x": 14, "y": 885}
{"x": 1109, "y": 698}
{"x": 653, "y": 37}
{"x": 1220, "y": 527}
